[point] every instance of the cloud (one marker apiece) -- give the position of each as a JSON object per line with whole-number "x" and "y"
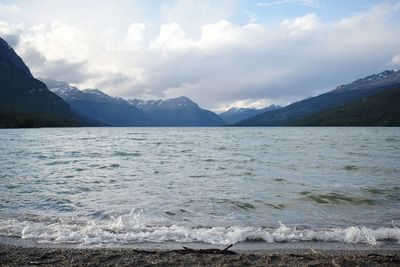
{"x": 395, "y": 61}
{"x": 223, "y": 63}
{"x": 171, "y": 37}
{"x": 59, "y": 69}
{"x": 192, "y": 14}
{"x": 134, "y": 36}
{"x": 9, "y": 8}
{"x": 308, "y": 22}
{"x": 306, "y": 3}
{"x": 245, "y": 103}
{"x": 10, "y": 33}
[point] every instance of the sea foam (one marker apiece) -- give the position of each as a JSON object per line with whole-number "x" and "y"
{"x": 130, "y": 229}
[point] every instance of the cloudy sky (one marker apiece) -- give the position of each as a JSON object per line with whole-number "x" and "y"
{"x": 219, "y": 53}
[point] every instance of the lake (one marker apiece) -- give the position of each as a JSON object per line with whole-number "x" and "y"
{"x": 118, "y": 186}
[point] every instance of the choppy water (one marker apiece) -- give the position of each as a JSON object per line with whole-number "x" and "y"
{"x": 112, "y": 186}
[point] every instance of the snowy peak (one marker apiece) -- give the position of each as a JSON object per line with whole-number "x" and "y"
{"x": 235, "y": 110}
{"x": 173, "y": 103}
{"x": 71, "y": 93}
{"x": 235, "y": 114}
{"x": 387, "y": 77}
{"x": 180, "y": 111}
{"x": 97, "y": 95}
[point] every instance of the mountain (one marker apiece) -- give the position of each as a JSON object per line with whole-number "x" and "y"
{"x": 344, "y": 94}
{"x": 98, "y": 107}
{"x": 7, "y": 53}
{"x": 234, "y": 115}
{"x": 382, "y": 109}
{"x": 179, "y": 111}
{"x": 102, "y": 109}
{"x": 26, "y": 101}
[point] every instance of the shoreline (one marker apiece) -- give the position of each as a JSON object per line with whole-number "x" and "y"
{"x": 17, "y": 252}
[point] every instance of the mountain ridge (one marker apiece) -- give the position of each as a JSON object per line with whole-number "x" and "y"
{"x": 381, "y": 109}
{"x": 116, "y": 111}
{"x": 341, "y": 95}
{"x": 98, "y": 107}
{"x": 26, "y": 101}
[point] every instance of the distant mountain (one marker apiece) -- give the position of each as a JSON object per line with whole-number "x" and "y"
{"x": 26, "y": 101}
{"x": 382, "y": 109}
{"x": 100, "y": 108}
{"x": 344, "y": 94}
{"x": 179, "y": 111}
{"x": 234, "y": 115}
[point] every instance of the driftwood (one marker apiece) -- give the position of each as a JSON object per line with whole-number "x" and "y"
{"x": 224, "y": 251}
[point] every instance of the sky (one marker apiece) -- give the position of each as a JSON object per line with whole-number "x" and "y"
{"x": 221, "y": 54}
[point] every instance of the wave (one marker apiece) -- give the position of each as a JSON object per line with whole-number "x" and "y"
{"x": 130, "y": 228}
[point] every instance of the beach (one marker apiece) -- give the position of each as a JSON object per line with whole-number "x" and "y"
{"x": 17, "y": 255}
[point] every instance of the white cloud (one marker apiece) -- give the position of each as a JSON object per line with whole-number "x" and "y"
{"x": 134, "y": 36}
{"x": 171, "y": 37}
{"x": 221, "y": 65}
{"x": 308, "y": 22}
{"x": 395, "y": 61}
{"x": 245, "y": 103}
{"x": 218, "y": 34}
{"x": 307, "y": 3}
{"x": 57, "y": 41}
{"x": 9, "y": 8}
{"x": 192, "y": 14}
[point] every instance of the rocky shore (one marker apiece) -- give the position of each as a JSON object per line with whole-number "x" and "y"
{"x": 12, "y": 255}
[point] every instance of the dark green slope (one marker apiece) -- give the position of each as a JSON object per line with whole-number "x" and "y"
{"x": 382, "y": 109}
{"x": 344, "y": 94}
{"x": 26, "y": 101}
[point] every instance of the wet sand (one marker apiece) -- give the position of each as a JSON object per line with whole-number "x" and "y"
{"x": 18, "y": 255}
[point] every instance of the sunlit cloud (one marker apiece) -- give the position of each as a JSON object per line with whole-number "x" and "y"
{"x": 221, "y": 64}
{"x": 307, "y": 3}
{"x": 9, "y": 8}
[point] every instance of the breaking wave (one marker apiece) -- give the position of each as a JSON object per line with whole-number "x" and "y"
{"x": 131, "y": 228}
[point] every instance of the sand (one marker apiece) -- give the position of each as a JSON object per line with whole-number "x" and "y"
{"x": 17, "y": 255}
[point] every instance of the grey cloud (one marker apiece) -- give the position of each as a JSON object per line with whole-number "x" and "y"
{"x": 281, "y": 63}
{"x": 12, "y": 39}
{"x": 61, "y": 69}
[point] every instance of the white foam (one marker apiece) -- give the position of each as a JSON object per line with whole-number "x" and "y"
{"x": 131, "y": 228}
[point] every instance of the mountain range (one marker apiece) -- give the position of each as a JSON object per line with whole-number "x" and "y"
{"x": 342, "y": 95}
{"x": 27, "y": 102}
{"x": 180, "y": 111}
{"x": 101, "y": 109}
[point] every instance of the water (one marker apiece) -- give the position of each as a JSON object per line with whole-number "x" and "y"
{"x": 116, "y": 186}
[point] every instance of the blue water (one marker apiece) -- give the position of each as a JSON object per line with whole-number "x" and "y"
{"x": 112, "y": 186}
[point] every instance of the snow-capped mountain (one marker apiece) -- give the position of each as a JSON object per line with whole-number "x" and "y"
{"x": 342, "y": 95}
{"x": 386, "y": 77}
{"x": 173, "y": 103}
{"x": 72, "y": 93}
{"x": 180, "y": 111}
{"x": 96, "y": 106}
{"x": 235, "y": 114}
